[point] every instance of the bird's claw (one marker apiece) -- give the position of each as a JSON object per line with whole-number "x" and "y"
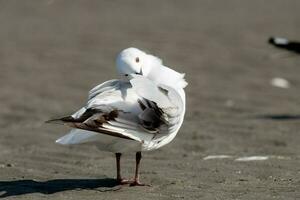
{"x": 122, "y": 181}
{"x": 138, "y": 183}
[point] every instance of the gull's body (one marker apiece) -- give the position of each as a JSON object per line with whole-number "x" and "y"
{"x": 142, "y": 111}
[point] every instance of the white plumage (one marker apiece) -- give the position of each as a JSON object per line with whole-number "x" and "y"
{"x": 141, "y": 111}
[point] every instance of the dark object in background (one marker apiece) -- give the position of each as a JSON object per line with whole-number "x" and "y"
{"x": 283, "y": 43}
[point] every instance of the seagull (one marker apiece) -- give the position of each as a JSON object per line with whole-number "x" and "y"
{"x": 141, "y": 111}
{"x": 283, "y": 43}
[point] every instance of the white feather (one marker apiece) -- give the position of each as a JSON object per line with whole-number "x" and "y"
{"x": 78, "y": 136}
{"x": 159, "y": 84}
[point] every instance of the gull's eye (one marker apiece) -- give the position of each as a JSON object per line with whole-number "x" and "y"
{"x": 137, "y": 59}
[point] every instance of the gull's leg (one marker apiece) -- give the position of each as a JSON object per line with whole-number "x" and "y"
{"x": 136, "y": 181}
{"x": 120, "y": 180}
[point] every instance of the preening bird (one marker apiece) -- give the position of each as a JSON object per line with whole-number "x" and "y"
{"x": 141, "y": 111}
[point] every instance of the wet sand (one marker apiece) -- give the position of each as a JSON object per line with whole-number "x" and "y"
{"x": 53, "y": 52}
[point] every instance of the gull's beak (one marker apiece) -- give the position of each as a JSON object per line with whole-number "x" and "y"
{"x": 140, "y": 73}
{"x": 134, "y": 75}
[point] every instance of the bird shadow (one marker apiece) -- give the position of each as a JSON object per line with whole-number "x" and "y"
{"x": 279, "y": 117}
{"x": 22, "y": 187}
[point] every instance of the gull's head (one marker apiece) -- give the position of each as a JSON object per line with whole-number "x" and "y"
{"x": 131, "y": 61}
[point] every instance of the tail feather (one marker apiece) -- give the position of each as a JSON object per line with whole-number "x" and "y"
{"x": 77, "y": 136}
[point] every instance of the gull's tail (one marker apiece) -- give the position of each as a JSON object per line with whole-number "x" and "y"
{"x": 78, "y": 136}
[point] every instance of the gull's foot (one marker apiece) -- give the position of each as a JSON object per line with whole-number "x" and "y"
{"x": 138, "y": 183}
{"x": 122, "y": 181}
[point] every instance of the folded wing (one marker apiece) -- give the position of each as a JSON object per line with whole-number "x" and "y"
{"x": 137, "y": 110}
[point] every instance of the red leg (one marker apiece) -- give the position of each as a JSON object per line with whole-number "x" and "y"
{"x": 120, "y": 180}
{"x": 136, "y": 181}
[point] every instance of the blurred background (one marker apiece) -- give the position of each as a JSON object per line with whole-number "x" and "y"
{"x": 53, "y": 51}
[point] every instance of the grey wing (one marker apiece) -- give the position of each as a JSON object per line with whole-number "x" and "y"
{"x": 108, "y": 112}
{"x": 155, "y": 114}
{"x": 108, "y": 85}
{"x": 160, "y": 106}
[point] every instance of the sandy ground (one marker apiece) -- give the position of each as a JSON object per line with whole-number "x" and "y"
{"x": 53, "y": 52}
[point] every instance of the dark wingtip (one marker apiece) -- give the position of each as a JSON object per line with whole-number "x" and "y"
{"x": 61, "y": 120}
{"x": 54, "y": 121}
